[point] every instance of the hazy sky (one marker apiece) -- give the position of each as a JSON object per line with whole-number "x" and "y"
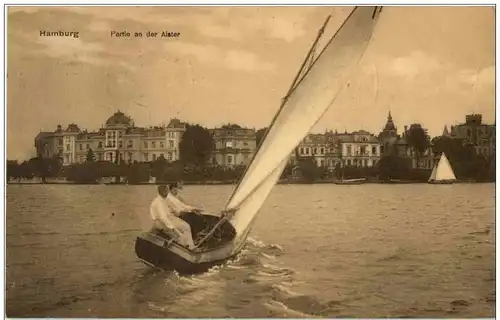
{"x": 233, "y": 64}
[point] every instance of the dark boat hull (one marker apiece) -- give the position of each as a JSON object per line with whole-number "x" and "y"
{"x": 164, "y": 259}
{"x": 159, "y": 249}
{"x": 351, "y": 182}
{"x": 441, "y": 182}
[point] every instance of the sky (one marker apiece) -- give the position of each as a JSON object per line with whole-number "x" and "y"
{"x": 428, "y": 65}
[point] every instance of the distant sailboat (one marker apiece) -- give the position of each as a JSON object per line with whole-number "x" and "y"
{"x": 442, "y": 172}
{"x": 314, "y": 89}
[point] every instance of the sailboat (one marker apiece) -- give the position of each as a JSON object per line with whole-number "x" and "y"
{"x": 442, "y": 173}
{"x": 220, "y": 237}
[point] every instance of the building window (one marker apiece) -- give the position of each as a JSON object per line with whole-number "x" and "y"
{"x": 145, "y": 145}
{"x": 154, "y": 156}
{"x": 349, "y": 149}
{"x": 315, "y": 151}
{"x": 229, "y": 159}
{"x": 68, "y": 147}
{"x": 100, "y": 144}
{"x": 171, "y": 144}
{"x": 301, "y": 150}
{"x": 130, "y": 156}
{"x": 130, "y": 144}
{"x": 120, "y": 134}
{"x": 153, "y": 145}
{"x": 306, "y": 150}
{"x": 162, "y": 156}
{"x": 229, "y": 144}
{"x": 162, "y": 145}
{"x": 80, "y": 146}
{"x": 120, "y": 144}
{"x": 374, "y": 150}
{"x": 322, "y": 163}
{"x": 322, "y": 151}
{"x": 146, "y": 158}
{"x": 169, "y": 156}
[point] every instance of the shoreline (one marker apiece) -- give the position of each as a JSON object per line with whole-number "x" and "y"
{"x": 214, "y": 183}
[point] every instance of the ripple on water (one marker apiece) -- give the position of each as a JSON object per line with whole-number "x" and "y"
{"x": 315, "y": 251}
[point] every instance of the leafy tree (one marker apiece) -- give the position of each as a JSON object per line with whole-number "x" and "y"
{"x": 90, "y": 156}
{"x": 137, "y": 173}
{"x": 196, "y": 145}
{"x": 309, "y": 169}
{"x": 158, "y": 167}
{"x": 12, "y": 170}
{"x": 259, "y": 135}
{"x": 287, "y": 171}
{"x": 418, "y": 139}
{"x": 393, "y": 167}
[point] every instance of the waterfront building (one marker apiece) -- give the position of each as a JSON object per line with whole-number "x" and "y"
{"x": 233, "y": 145}
{"x": 333, "y": 149}
{"x": 359, "y": 148}
{"x": 388, "y": 137}
{"x": 476, "y": 133}
{"x": 394, "y": 144}
{"x": 118, "y": 140}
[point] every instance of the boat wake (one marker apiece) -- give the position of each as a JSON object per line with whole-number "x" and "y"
{"x": 255, "y": 284}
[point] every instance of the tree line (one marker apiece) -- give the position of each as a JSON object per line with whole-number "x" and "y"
{"x": 196, "y": 149}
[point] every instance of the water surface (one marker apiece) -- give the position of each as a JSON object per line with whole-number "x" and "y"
{"x": 316, "y": 250}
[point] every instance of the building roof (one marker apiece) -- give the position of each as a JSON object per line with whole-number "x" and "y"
{"x": 119, "y": 118}
{"x": 389, "y": 125}
{"x": 43, "y": 135}
{"x": 176, "y": 124}
{"x": 72, "y": 127}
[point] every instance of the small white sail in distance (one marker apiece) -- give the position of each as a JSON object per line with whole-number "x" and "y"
{"x": 304, "y": 106}
{"x": 442, "y": 170}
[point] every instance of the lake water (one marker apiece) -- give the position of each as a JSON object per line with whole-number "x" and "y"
{"x": 316, "y": 250}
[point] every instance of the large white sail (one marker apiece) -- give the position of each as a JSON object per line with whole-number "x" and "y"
{"x": 305, "y": 105}
{"x": 443, "y": 170}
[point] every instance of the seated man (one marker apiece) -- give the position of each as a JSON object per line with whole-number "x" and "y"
{"x": 165, "y": 220}
{"x": 177, "y": 205}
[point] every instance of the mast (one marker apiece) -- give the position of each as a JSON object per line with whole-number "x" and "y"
{"x": 295, "y": 81}
{"x": 283, "y": 102}
{"x": 310, "y": 95}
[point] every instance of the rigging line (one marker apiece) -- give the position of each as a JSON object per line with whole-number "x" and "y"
{"x": 279, "y": 111}
{"x": 283, "y": 102}
{"x": 309, "y": 58}
{"x": 296, "y": 83}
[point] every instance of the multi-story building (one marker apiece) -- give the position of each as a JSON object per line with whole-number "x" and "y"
{"x": 233, "y": 145}
{"x": 388, "y": 137}
{"x": 359, "y": 148}
{"x": 119, "y": 140}
{"x": 324, "y": 149}
{"x": 477, "y": 134}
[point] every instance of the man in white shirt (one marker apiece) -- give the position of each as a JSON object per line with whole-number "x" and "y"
{"x": 176, "y": 204}
{"x": 165, "y": 219}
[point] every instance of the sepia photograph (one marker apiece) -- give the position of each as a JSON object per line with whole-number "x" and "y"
{"x": 250, "y": 161}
